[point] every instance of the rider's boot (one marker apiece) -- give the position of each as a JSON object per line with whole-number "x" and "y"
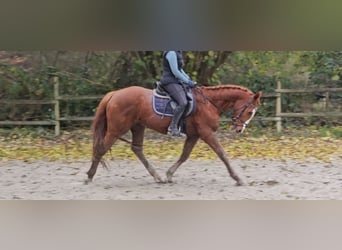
{"x": 173, "y": 128}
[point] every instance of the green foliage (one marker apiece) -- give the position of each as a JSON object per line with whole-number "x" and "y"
{"x": 207, "y": 67}
{"x": 23, "y": 83}
{"x": 143, "y": 68}
{"x": 259, "y": 70}
{"x": 28, "y": 75}
{"x": 335, "y": 132}
{"x": 325, "y": 67}
{"x": 17, "y": 133}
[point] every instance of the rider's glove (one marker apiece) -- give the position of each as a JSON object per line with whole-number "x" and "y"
{"x": 192, "y": 84}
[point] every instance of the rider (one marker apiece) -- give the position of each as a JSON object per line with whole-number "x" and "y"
{"x": 172, "y": 79}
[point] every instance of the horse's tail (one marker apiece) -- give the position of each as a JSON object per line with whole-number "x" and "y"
{"x": 99, "y": 126}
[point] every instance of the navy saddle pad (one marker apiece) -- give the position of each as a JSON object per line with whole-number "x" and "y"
{"x": 162, "y": 105}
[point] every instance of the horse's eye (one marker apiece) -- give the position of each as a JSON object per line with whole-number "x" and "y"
{"x": 250, "y": 112}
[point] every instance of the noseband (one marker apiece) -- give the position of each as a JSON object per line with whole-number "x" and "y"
{"x": 243, "y": 109}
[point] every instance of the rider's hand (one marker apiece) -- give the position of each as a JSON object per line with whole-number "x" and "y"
{"x": 192, "y": 84}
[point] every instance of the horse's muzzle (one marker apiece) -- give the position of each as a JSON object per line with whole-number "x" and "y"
{"x": 237, "y": 128}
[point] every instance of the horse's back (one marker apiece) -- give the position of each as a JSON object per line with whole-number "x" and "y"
{"x": 135, "y": 97}
{"x": 132, "y": 91}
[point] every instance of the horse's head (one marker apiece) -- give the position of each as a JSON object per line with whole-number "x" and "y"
{"x": 244, "y": 113}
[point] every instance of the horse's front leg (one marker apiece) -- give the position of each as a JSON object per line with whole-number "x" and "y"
{"x": 188, "y": 146}
{"x": 212, "y": 141}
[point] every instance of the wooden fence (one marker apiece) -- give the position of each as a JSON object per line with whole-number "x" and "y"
{"x": 56, "y": 122}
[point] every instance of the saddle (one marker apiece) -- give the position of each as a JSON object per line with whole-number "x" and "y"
{"x": 164, "y": 105}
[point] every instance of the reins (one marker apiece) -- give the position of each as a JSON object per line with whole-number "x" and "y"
{"x": 208, "y": 99}
{"x": 221, "y": 111}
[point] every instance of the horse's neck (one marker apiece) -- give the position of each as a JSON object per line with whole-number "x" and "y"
{"x": 225, "y": 97}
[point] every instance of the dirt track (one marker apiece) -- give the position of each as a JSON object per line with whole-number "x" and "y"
{"x": 195, "y": 180}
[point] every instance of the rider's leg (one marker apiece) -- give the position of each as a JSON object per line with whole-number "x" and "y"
{"x": 176, "y": 91}
{"x": 173, "y": 128}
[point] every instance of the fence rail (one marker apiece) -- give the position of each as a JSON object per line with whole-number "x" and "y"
{"x": 58, "y": 119}
{"x": 26, "y": 102}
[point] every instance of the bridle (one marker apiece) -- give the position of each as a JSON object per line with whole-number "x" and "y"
{"x": 243, "y": 108}
{"x": 234, "y": 118}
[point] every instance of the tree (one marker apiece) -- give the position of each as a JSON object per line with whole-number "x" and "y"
{"x": 206, "y": 66}
{"x": 325, "y": 67}
{"x": 145, "y": 67}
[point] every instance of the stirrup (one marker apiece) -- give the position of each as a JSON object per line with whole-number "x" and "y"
{"x": 175, "y": 133}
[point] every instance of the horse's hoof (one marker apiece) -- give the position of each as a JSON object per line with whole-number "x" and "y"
{"x": 239, "y": 183}
{"x": 159, "y": 180}
{"x": 87, "y": 181}
{"x": 169, "y": 179}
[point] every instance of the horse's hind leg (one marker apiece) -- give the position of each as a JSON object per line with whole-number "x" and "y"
{"x": 188, "y": 146}
{"x": 137, "y": 148}
{"x": 98, "y": 153}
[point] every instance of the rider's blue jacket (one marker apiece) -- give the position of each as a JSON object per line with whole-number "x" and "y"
{"x": 172, "y": 68}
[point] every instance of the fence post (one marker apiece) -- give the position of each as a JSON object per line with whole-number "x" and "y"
{"x": 57, "y": 115}
{"x": 278, "y": 107}
{"x": 326, "y": 103}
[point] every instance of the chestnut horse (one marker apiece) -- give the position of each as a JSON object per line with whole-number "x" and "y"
{"x": 131, "y": 109}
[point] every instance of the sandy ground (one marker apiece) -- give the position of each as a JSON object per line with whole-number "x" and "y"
{"x": 194, "y": 180}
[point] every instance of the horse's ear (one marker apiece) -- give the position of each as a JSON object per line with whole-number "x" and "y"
{"x": 257, "y": 96}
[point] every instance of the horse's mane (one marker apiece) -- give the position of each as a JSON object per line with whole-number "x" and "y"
{"x": 227, "y": 86}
